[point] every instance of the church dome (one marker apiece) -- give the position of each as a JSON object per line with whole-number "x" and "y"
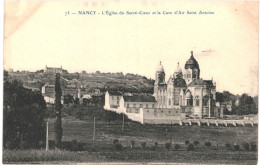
{"x": 178, "y": 69}
{"x": 160, "y": 68}
{"x": 192, "y": 63}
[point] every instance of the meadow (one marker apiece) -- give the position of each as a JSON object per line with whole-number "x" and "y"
{"x": 102, "y": 148}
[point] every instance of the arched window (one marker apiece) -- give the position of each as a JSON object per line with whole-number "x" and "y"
{"x": 197, "y": 101}
{"x": 189, "y": 102}
{"x": 205, "y": 100}
{"x": 169, "y": 101}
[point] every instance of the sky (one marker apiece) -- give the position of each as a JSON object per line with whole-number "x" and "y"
{"x": 225, "y": 44}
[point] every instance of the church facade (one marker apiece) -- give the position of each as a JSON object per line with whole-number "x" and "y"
{"x": 185, "y": 95}
{"x": 186, "y": 90}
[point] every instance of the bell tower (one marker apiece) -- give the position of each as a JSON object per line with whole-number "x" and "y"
{"x": 159, "y": 77}
{"x": 192, "y": 69}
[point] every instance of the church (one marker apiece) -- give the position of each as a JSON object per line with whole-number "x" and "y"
{"x": 184, "y": 95}
{"x": 186, "y": 90}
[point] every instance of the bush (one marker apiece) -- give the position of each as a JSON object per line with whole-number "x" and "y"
{"x": 236, "y": 147}
{"x": 245, "y": 146}
{"x": 118, "y": 146}
{"x": 190, "y": 147}
{"x": 154, "y": 147}
{"x": 74, "y": 145}
{"x": 115, "y": 141}
{"x": 228, "y": 145}
{"x": 207, "y": 144}
{"x": 168, "y": 146}
{"x": 177, "y": 146}
{"x": 196, "y": 143}
{"x": 132, "y": 143}
{"x": 253, "y": 146}
{"x": 187, "y": 142}
{"x": 143, "y": 144}
{"x": 155, "y": 144}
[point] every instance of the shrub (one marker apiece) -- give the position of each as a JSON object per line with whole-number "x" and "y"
{"x": 155, "y": 144}
{"x": 115, "y": 141}
{"x": 190, "y": 147}
{"x": 253, "y": 146}
{"x": 168, "y": 146}
{"x": 143, "y": 144}
{"x": 187, "y": 142}
{"x": 118, "y": 146}
{"x": 228, "y": 145}
{"x": 74, "y": 145}
{"x": 177, "y": 146}
{"x": 207, "y": 144}
{"x": 196, "y": 143}
{"x": 236, "y": 147}
{"x": 132, "y": 143}
{"x": 245, "y": 146}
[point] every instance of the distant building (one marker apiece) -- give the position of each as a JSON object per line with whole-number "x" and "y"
{"x": 48, "y": 92}
{"x": 112, "y": 99}
{"x": 52, "y": 70}
{"x": 33, "y": 85}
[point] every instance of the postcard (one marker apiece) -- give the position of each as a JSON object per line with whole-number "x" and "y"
{"x": 118, "y": 82}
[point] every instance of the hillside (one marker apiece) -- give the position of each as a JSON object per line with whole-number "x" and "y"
{"x": 116, "y": 81}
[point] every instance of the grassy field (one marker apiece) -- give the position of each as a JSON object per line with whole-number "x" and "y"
{"x": 102, "y": 148}
{"x": 82, "y": 131}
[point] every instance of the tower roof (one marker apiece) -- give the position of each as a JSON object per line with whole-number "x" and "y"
{"x": 192, "y": 63}
{"x": 178, "y": 69}
{"x": 160, "y": 68}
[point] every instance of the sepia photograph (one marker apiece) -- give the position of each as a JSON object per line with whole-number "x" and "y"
{"x": 130, "y": 82}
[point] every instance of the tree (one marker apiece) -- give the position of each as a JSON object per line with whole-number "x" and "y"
{"x": 68, "y": 99}
{"x": 187, "y": 142}
{"x": 143, "y": 144}
{"x": 57, "y": 126}
{"x": 207, "y": 144}
{"x": 246, "y": 105}
{"x": 132, "y": 143}
{"x": 24, "y": 114}
{"x": 168, "y": 146}
{"x": 246, "y": 146}
{"x": 190, "y": 147}
{"x": 196, "y": 143}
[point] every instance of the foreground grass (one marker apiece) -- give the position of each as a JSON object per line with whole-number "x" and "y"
{"x": 130, "y": 155}
{"x": 38, "y": 155}
{"x": 102, "y": 150}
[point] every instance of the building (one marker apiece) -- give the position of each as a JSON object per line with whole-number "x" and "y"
{"x": 48, "y": 92}
{"x": 185, "y": 94}
{"x": 186, "y": 90}
{"x": 112, "y": 99}
{"x": 53, "y": 70}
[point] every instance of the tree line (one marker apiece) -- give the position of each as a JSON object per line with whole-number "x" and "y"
{"x": 24, "y": 116}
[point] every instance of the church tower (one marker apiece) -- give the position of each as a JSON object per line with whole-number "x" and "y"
{"x": 160, "y": 87}
{"x": 192, "y": 69}
{"x": 159, "y": 77}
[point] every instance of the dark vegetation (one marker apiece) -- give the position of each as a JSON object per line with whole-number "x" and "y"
{"x": 247, "y": 104}
{"x": 24, "y": 114}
